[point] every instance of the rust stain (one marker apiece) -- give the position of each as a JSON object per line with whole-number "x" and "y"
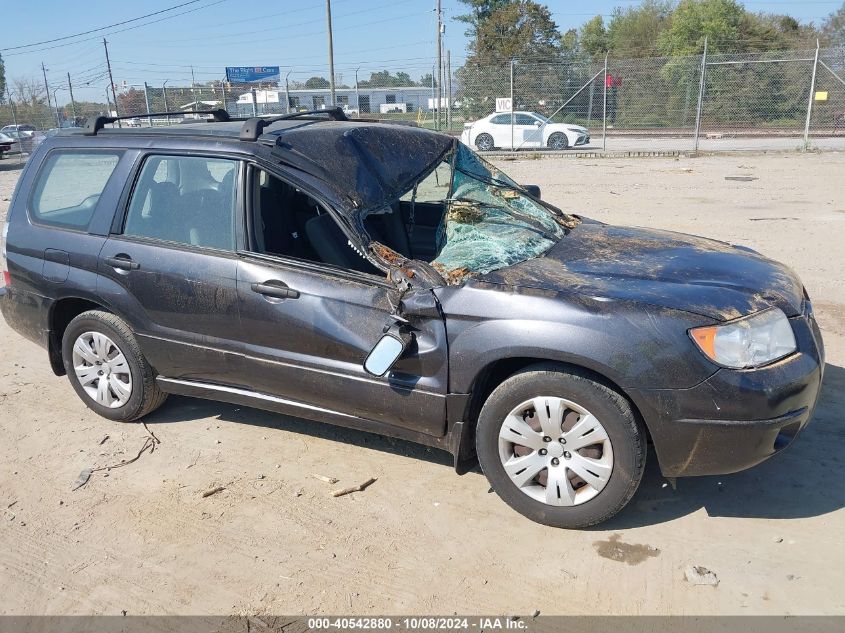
{"x": 387, "y": 254}
{"x": 452, "y": 277}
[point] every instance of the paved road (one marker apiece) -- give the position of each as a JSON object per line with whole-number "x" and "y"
{"x": 687, "y": 144}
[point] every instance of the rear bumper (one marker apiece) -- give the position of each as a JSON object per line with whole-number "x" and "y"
{"x": 736, "y": 419}
{"x": 24, "y": 313}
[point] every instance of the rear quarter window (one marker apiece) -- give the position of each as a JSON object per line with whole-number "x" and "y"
{"x": 69, "y": 186}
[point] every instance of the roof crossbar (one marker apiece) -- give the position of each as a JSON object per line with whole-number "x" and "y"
{"x": 254, "y": 127}
{"x": 92, "y": 126}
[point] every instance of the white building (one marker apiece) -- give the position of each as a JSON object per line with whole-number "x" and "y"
{"x": 363, "y": 100}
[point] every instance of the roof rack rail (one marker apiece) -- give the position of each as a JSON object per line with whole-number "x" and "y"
{"x": 254, "y": 127}
{"x": 92, "y": 126}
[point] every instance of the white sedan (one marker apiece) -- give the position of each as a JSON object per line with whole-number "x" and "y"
{"x": 529, "y": 129}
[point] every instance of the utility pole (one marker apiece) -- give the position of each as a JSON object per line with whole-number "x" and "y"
{"x": 72, "y": 102}
{"x": 701, "y": 84}
{"x": 47, "y": 88}
{"x": 331, "y": 48}
{"x": 111, "y": 81}
{"x": 513, "y": 147}
{"x": 604, "y": 108}
{"x": 439, "y": 63}
{"x": 812, "y": 97}
{"x": 193, "y": 79}
{"x": 448, "y": 89}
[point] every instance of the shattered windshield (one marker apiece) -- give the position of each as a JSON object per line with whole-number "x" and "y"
{"x": 489, "y": 222}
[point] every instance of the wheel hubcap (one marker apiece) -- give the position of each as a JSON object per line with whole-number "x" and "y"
{"x": 102, "y": 370}
{"x": 555, "y": 451}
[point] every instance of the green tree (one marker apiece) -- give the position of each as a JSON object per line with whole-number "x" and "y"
{"x": 501, "y": 31}
{"x": 833, "y": 28}
{"x": 634, "y": 31}
{"x": 719, "y": 21}
{"x": 383, "y": 79}
{"x": 425, "y": 80}
{"x": 594, "y": 40}
{"x": 480, "y": 11}
{"x": 317, "y": 82}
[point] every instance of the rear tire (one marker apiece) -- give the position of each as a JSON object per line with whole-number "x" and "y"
{"x": 556, "y": 495}
{"x": 106, "y": 368}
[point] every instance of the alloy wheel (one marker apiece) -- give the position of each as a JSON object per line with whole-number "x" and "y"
{"x": 102, "y": 370}
{"x": 555, "y": 451}
{"x": 558, "y": 142}
{"x": 484, "y": 142}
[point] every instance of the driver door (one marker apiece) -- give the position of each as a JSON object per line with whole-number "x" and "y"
{"x": 528, "y": 131}
{"x": 308, "y": 326}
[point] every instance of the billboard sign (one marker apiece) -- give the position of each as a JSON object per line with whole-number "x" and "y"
{"x": 251, "y": 74}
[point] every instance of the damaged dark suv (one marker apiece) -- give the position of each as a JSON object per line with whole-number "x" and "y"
{"x": 385, "y": 278}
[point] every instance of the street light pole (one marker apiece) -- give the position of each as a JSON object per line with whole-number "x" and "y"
{"x": 164, "y": 94}
{"x": 56, "y": 107}
{"x": 357, "y": 94}
{"x": 287, "y": 92}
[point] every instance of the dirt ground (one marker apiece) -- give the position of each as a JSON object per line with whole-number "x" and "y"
{"x": 423, "y": 540}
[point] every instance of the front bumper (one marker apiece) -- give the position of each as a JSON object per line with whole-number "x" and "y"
{"x": 736, "y": 419}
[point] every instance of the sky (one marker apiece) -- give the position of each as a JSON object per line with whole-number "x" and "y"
{"x": 208, "y": 35}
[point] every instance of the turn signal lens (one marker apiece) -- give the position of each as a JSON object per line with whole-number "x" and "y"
{"x": 750, "y": 342}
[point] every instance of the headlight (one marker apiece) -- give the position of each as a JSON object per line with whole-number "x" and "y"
{"x": 750, "y": 342}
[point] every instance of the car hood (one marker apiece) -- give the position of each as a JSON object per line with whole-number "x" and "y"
{"x": 672, "y": 270}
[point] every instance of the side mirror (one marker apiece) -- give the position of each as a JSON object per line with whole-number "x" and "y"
{"x": 386, "y": 352}
{"x": 538, "y": 123}
{"x": 534, "y": 190}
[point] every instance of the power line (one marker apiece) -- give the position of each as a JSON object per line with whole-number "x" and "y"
{"x": 129, "y": 28}
{"x": 102, "y": 28}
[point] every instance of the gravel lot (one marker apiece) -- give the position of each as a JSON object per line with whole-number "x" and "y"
{"x": 422, "y": 540}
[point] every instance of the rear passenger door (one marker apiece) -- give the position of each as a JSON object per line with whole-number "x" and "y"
{"x": 169, "y": 267}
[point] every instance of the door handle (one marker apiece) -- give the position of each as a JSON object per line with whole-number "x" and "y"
{"x": 123, "y": 262}
{"x": 273, "y": 289}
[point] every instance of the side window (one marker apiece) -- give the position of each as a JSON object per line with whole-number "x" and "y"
{"x": 185, "y": 199}
{"x": 288, "y": 222}
{"x": 501, "y": 119}
{"x": 525, "y": 119}
{"x": 69, "y": 186}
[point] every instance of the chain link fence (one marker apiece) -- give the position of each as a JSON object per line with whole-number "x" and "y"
{"x": 773, "y": 100}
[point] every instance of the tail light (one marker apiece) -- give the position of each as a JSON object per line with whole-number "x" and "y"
{"x": 4, "y": 268}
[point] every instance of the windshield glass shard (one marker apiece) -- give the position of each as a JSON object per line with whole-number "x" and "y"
{"x": 490, "y": 223}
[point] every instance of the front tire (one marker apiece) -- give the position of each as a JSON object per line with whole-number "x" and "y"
{"x": 484, "y": 142}
{"x": 558, "y": 141}
{"x": 560, "y": 447}
{"x": 106, "y": 368}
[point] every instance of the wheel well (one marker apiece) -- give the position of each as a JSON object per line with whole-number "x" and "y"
{"x": 64, "y": 311}
{"x": 497, "y": 372}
